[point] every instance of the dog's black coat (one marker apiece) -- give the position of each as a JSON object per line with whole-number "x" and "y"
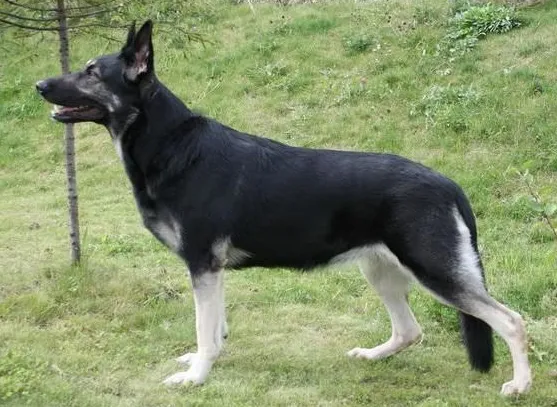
{"x": 285, "y": 206}
{"x": 279, "y": 206}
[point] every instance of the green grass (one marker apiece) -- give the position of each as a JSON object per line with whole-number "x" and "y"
{"x": 349, "y": 75}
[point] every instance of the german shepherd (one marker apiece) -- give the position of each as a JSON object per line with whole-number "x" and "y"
{"x": 220, "y": 198}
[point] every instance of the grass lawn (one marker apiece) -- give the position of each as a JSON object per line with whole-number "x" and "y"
{"x": 371, "y": 76}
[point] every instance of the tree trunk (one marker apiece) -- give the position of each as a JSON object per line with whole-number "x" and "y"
{"x": 75, "y": 247}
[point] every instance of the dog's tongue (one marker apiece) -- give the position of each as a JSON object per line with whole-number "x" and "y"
{"x": 77, "y": 113}
{"x": 67, "y": 109}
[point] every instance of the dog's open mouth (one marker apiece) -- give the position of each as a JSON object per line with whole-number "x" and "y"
{"x": 70, "y": 114}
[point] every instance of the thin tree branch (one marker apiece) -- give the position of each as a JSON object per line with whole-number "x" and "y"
{"x": 75, "y": 27}
{"x": 101, "y": 35}
{"x": 91, "y": 6}
{"x": 28, "y": 18}
{"x": 46, "y": 19}
{"x": 19, "y": 34}
{"x": 190, "y": 35}
{"x": 28, "y": 27}
{"x": 54, "y": 10}
{"x": 14, "y": 3}
{"x": 94, "y": 13}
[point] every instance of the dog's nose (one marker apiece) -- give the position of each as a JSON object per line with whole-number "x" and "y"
{"x": 42, "y": 87}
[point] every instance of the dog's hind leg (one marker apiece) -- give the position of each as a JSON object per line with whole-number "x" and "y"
{"x": 208, "y": 290}
{"x": 384, "y": 272}
{"x": 510, "y": 326}
{"x": 479, "y": 313}
{"x": 446, "y": 261}
{"x": 479, "y": 308}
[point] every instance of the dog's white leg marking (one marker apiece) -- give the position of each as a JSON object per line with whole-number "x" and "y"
{"x": 507, "y": 323}
{"x": 208, "y": 290}
{"x": 385, "y": 273}
{"x": 510, "y": 326}
{"x": 222, "y": 315}
{"x": 169, "y": 232}
{"x": 187, "y": 358}
{"x": 118, "y": 147}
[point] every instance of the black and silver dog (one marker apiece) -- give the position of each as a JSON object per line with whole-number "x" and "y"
{"x": 221, "y": 198}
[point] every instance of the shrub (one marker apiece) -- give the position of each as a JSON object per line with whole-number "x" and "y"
{"x": 479, "y": 21}
{"x": 357, "y": 44}
{"x": 473, "y": 22}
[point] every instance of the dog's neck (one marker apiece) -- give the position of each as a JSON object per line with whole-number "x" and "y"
{"x": 158, "y": 117}
{"x": 156, "y": 101}
{"x": 159, "y": 102}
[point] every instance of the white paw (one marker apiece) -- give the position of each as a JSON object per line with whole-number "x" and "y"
{"x": 364, "y": 353}
{"x": 184, "y": 378}
{"x": 186, "y": 359}
{"x": 196, "y": 374}
{"x": 515, "y": 387}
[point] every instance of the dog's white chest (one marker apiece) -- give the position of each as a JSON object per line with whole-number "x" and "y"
{"x": 118, "y": 147}
{"x": 169, "y": 233}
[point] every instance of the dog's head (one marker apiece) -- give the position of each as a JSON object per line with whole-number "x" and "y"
{"x": 109, "y": 89}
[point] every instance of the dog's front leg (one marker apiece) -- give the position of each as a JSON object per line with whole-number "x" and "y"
{"x": 208, "y": 291}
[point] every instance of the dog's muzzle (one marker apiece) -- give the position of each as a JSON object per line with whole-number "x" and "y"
{"x": 42, "y": 87}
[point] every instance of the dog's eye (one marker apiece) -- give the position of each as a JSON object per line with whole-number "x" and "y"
{"x": 90, "y": 69}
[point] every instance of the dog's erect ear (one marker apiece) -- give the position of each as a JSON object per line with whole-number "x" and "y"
{"x": 144, "y": 47}
{"x": 131, "y": 35}
{"x": 138, "y": 52}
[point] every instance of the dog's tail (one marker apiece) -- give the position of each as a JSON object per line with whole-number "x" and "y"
{"x": 478, "y": 339}
{"x": 476, "y": 334}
